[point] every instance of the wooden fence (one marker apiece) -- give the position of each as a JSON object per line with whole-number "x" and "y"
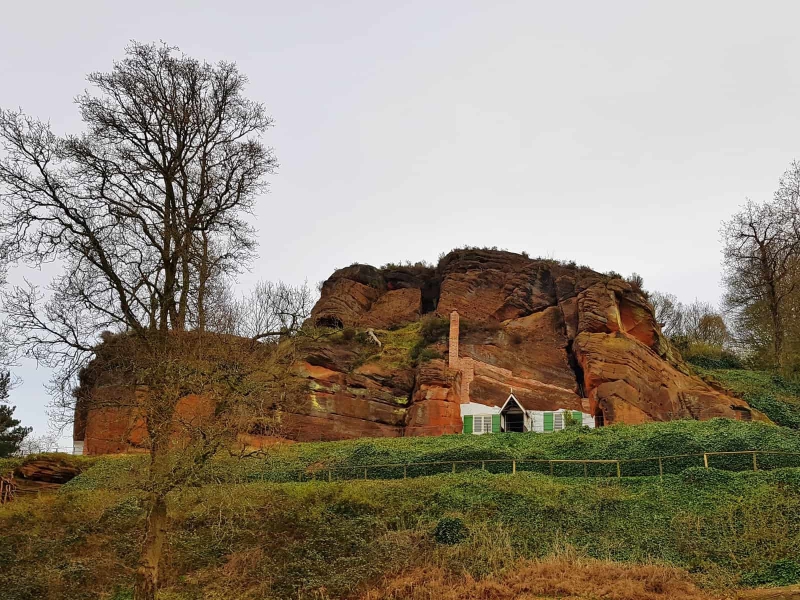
{"x": 749, "y": 460}
{"x": 7, "y": 489}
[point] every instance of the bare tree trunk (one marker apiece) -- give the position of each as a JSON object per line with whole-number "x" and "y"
{"x": 183, "y": 304}
{"x": 773, "y": 302}
{"x": 777, "y": 326}
{"x": 202, "y": 282}
{"x": 146, "y": 580}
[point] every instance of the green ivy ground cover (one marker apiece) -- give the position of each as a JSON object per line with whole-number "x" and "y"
{"x": 262, "y": 540}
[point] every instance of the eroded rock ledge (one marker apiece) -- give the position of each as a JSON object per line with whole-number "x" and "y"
{"x": 561, "y": 336}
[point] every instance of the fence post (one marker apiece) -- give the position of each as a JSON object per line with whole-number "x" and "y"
{"x": 660, "y": 469}
{"x": 365, "y": 473}
{"x": 551, "y": 468}
{"x": 513, "y": 467}
{"x": 619, "y": 471}
{"x": 329, "y": 474}
{"x": 585, "y": 470}
{"x": 705, "y": 460}
{"x": 755, "y": 463}
{"x": 405, "y": 471}
{"x": 483, "y": 465}
{"x": 454, "y": 467}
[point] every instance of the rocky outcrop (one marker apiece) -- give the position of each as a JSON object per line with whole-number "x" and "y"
{"x": 561, "y": 336}
{"x": 363, "y": 296}
{"x": 47, "y": 470}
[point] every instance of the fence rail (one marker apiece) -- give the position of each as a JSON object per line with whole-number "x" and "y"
{"x": 737, "y": 460}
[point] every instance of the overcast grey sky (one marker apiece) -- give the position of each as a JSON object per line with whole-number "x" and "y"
{"x": 617, "y": 134}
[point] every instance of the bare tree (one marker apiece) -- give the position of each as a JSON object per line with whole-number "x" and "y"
{"x": 273, "y": 310}
{"x": 194, "y": 393}
{"x": 760, "y": 256}
{"x": 146, "y": 212}
{"x": 685, "y": 324}
{"x": 39, "y": 444}
{"x": 668, "y": 313}
{"x": 169, "y": 166}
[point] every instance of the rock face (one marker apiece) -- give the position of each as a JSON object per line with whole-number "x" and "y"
{"x": 561, "y": 336}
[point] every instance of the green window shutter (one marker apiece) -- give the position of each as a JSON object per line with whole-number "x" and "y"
{"x": 467, "y": 423}
{"x": 548, "y": 421}
{"x": 578, "y": 416}
{"x": 495, "y": 423}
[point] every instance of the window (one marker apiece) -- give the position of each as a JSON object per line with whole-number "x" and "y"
{"x": 482, "y": 424}
{"x": 558, "y": 421}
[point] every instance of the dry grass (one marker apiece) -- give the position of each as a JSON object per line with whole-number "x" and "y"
{"x": 555, "y": 578}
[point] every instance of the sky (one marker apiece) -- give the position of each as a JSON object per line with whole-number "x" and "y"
{"x": 616, "y": 134}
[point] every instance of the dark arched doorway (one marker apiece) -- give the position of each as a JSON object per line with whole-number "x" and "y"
{"x": 599, "y": 418}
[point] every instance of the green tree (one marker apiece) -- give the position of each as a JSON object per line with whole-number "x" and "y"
{"x": 11, "y": 434}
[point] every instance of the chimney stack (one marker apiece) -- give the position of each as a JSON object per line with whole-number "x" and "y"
{"x": 452, "y": 349}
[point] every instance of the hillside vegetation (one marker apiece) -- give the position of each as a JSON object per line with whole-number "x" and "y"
{"x": 341, "y": 539}
{"x": 331, "y": 540}
{"x": 433, "y": 455}
{"x": 775, "y": 396}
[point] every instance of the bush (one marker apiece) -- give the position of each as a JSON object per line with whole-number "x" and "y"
{"x": 708, "y": 356}
{"x": 348, "y": 333}
{"x": 433, "y": 329}
{"x": 768, "y": 392}
{"x": 700, "y": 476}
{"x": 450, "y": 531}
{"x": 779, "y": 573}
{"x": 516, "y": 338}
{"x": 425, "y": 354}
{"x": 726, "y": 360}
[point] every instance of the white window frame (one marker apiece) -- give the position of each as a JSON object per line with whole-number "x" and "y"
{"x": 481, "y": 424}
{"x": 558, "y": 420}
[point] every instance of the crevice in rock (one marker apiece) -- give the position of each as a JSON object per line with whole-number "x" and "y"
{"x": 409, "y": 405}
{"x": 575, "y": 365}
{"x": 572, "y": 359}
{"x": 430, "y": 295}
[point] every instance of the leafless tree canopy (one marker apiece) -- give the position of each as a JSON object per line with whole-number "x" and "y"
{"x": 697, "y": 322}
{"x": 146, "y": 213}
{"x": 144, "y": 210}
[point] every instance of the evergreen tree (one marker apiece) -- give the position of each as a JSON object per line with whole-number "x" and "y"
{"x": 11, "y": 434}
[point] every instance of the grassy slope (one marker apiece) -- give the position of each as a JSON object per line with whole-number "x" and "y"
{"x": 264, "y": 540}
{"x": 268, "y": 540}
{"x": 334, "y": 540}
{"x": 773, "y": 395}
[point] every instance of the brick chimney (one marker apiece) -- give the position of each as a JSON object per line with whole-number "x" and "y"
{"x": 452, "y": 349}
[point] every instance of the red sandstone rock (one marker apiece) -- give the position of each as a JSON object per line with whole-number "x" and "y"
{"x": 561, "y": 336}
{"x": 435, "y": 407}
{"x": 395, "y": 307}
{"x": 47, "y": 470}
{"x": 632, "y": 384}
